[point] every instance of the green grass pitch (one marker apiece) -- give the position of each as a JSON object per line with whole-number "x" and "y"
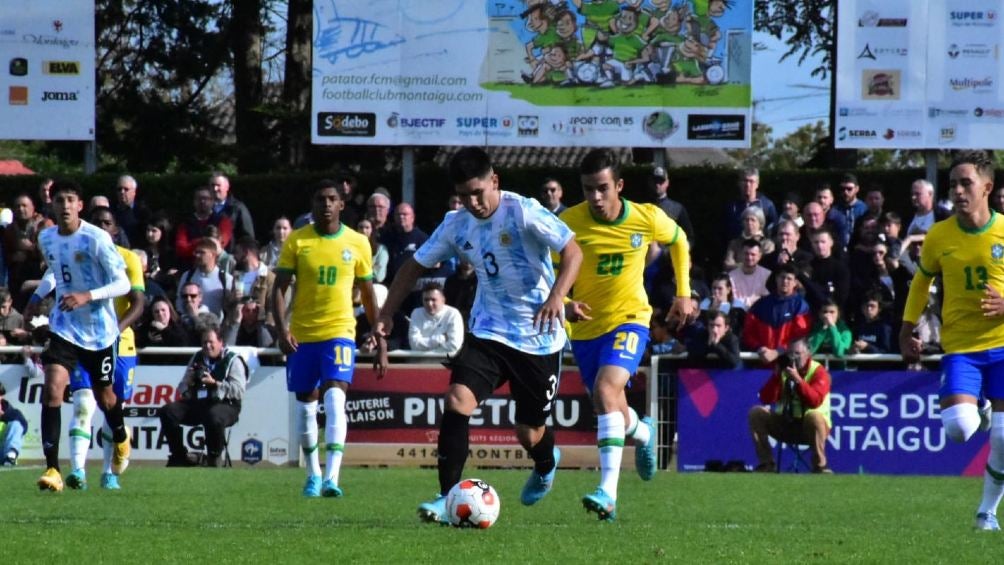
{"x": 248, "y": 515}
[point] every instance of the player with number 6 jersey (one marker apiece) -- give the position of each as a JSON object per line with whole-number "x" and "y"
{"x": 610, "y": 312}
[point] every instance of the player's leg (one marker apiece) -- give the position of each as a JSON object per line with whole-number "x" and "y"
{"x": 962, "y": 381}
{"x": 303, "y": 374}
{"x": 59, "y": 359}
{"x": 101, "y": 366}
{"x": 125, "y": 370}
{"x": 993, "y": 476}
{"x": 533, "y": 381}
{"x": 336, "y": 378}
{"x": 84, "y": 407}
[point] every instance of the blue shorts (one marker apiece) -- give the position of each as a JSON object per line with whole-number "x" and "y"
{"x": 973, "y": 373}
{"x": 623, "y": 347}
{"x": 125, "y": 372}
{"x": 314, "y": 363}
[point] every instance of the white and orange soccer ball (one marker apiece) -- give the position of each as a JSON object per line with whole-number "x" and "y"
{"x": 472, "y": 503}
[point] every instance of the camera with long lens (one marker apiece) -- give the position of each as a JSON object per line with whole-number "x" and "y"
{"x": 784, "y": 361}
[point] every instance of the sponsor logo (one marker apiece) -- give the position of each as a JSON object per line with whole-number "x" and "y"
{"x": 984, "y": 84}
{"x": 17, "y": 95}
{"x": 707, "y": 126}
{"x": 934, "y": 112}
{"x": 866, "y": 53}
{"x": 58, "y": 96}
{"x": 278, "y": 451}
{"x": 251, "y": 451}
{"x": 659, "y": 125}
{"x": 946, "y": 134}
{"x": 875, "y": 53}
{"x": 8, "y": 32}
{"x": 845, "y": 133}
{"x": 57, "y": 26}
{"x": 871, "y": 18}
{"x": 61, "y": 67}
{"x": 972, "y": 51}
{"x": 636, "y": 240}
{"x": 18, "y": 66}
{"x": 36, "y": 39}
{"x": 485, "y": 126}
{"x": 346, "y": 124}
{"x": 880, "y": 84}
{"x": 997, "y": 251}
{"x": 901, "y": 134}
{"x": 528, "y": 126}
{"x": 396, "y": 121}
{"x": 964, "y": 18}
{"x": 981, "y": 112}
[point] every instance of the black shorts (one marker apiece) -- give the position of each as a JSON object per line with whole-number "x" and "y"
{"x": 483, "y": 365}
{"x": 99, "y": 364}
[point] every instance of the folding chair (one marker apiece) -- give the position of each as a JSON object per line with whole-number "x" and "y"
{"x": 226, "y": 448}
{"x": 797, "y": 459}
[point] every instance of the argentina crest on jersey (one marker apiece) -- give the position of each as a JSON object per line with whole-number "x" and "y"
{"x": 997, "y": 252}
{"x": 636, "y": 240}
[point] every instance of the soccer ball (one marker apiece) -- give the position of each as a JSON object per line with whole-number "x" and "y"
{"x": 472, "y": 503}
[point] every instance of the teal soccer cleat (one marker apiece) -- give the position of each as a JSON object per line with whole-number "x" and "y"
{"x": 434, "y": 511}
{"x": 987, "y": 522}
{"x": 312, "y": 488}
{"x": 77, "y": 480}
{"x": 110, "y": 481}
{"x": 537, "y": 486}
{"x": 330, "y": 490}
{"x": 601, "y": 503}
{"x": 645, "y": 458}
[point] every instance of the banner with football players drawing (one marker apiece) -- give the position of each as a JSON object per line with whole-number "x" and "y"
{"x": 658, "y": 73}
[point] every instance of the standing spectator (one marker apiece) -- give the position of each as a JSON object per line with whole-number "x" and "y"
{"x": 749, "y": 280}
{"x": 245, "y": 325}
{"x": 153, "y": 288}
{"x": 436, "y": 326}
{"x": 131, "y": 214}
{"x": 45, "y": 198}
{"x": 281, "y": 229}
{"x": 835, "y": 220}
{"x": 20, "y": 248}
{"x": 194, "y": 314}
{"x": 872, "y": 332}
{"x": 198, "y": 226}
{"x": 403, "y": 239}
{"x": 850, "y": 206}
{"x": 659, "y": 184}
{"x": 749, "y": 185}
{"x": 214, "y": 284}
{"x": 815, "y": 220}
{"x": 252, "y": 278}
{"x": 550, "y": 196}
{"x": 753, "y": 228}
{"x": 226, "y": 204}
{"x": 786, "y": 249}
{"x": 925, "y": 213}
{"x": 997, "y": 199}
{"x": 891, "y": 225}
{"x": 161, "y": 263}
{"x": 380, "y": 255}
{"x": 162, "y": 327}
{"x": 13, "y": 425}
{"x": 778, "y": 318}
{"x": 378, "y": 210}
{"x": 460, "y": 289}
{"x": 830, "y": 279}
{"x": 875, "y": 200}
{"x": 830, "y": 334}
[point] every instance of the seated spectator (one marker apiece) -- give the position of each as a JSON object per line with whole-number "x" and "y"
{"x": 435, "y": 326}
{"x": 872, "y": 333}
{"x": 997, "y": 199}
{"x": 749, "y": 197}
{"x": 13, "y": 425}
{"x": 891, "y": 224}
{"x": 161, "y": 326}
{"x": 753, "y": 228}
{"x": 191, "y": 231}
{"x": 159, "y": 251}
{"x": 213, "y": 283}
{"x": 252, "y": 277}
{"x": 153, "y": 288}
{"x": 11, "y": 321}
{"x": 830, "y": 334}
{"x": 661, "y": 338}
{"x": 380, "y": 254}
{"x": 281, "y": 229}
{"x": 791, "y": 210}
{"x": 460, "y": 289}
{"x": 245, "y": 325}
{"x": 723, "y": 300}
{"x": 749, "y": 280}
{"x": 715, "y": 346}
{"x": 777, "y": 319}
{"x": 210, "y": 395}
{"x": 193, "y": 312}
{"x": 799, "y": 390}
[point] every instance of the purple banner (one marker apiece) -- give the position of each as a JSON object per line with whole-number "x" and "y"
{"x": 883, "y": 423}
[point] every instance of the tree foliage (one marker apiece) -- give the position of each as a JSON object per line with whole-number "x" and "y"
{"x": 805, "y": 25}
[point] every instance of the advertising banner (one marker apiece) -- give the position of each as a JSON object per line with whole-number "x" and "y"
{"x": 883, "y": 423}
{"x": 914, "y": 75}
{"x": 642, "y": 73}
{"x": 47, "y": 55}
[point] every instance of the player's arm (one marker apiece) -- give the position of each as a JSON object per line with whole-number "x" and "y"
{"x": 549, "y": 317}
{"x": 45, "y": 286}
{"x": 404, "y": 281}
{"x": 916, "y": 301}
{"x": 372, "y": 314}
{"x": 283, "y": 278}
{"x": 682, "y": 310}
{"x": 137, "y": 288}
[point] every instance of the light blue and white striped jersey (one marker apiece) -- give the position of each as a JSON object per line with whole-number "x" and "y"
{"x": 81, "y": 262}
{"x": 511, "y": 254}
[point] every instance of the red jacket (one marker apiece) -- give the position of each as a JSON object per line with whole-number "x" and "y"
{"x": 190, "y": 232}
{"x": 812, "y": 392}
{"x": 775, "y": 321}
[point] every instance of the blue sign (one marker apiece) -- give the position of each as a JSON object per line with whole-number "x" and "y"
{"x": 884, "y": 422}
{"x": 251, "y": 451}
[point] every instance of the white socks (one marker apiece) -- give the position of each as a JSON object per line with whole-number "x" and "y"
{"x": 610, "y": 440}
{"x": 993, "y": 475}
{"x": 107, "y": 446}
{"x": 306, "y": 428}
{"x": 636, "y": 430}
{"x": 960, "y": 421}
{"x": 334, "y": 431}
{"x": 84, "y": 406}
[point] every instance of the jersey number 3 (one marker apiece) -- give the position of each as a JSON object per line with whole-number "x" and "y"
{"x": 981, "y": 276}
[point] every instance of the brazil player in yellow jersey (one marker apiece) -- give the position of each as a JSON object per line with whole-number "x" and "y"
{"x": 967, "y": 250}
{"x": 327, "y": 258}
{"x": 610, "y": 312}
{"x": 128, "y": 309}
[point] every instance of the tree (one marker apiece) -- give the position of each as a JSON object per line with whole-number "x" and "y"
{"x": 806, "y": 26}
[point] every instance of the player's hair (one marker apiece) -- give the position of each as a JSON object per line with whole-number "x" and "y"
{"x": 432, "y": 285}
{"x": 599, "y": 159}
{"x": 93, "y": 214}
{"x": 328, "y": 183}
{"x": 980, "y": 159}
{"x": 63, "y": 185}
{"x": 469, "y": 163}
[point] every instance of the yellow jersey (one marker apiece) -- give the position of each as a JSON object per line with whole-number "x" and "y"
{"x": 326, "y": 267}
{"x": 134, "y": 271}
{"x": 610, "y": 279}
{"x": 966, "y": 260}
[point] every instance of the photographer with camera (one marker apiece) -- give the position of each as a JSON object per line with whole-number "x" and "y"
{"x": 799, "y": 390}
{"x": 210, "y": 395}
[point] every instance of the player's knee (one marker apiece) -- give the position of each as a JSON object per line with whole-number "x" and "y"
{"x": 997, "y": 440}
{"x": 461, "y": 400}
{"x": 960, "y": 421}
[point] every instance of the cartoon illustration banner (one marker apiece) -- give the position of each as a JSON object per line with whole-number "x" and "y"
{"x": 915, "y": 75}
{"x": 883, "y": 423}
{"x": 47, "y": 68}
{"x": 657, "y": 73}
